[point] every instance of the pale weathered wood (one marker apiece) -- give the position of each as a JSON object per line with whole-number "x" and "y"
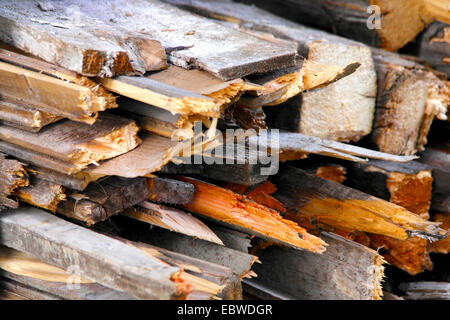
{"x": 63, "y": 244}
{"x": 347, "y": 105}
{"x": 400, "y": 21}
{"x": 67, "y": 37}
{"x": 309, "y": 200}
{"x": 346, "y": 271}
{"x": 171, "y": 219}
{"x": 426, "y": 290}
{"x": 79, "y": 144}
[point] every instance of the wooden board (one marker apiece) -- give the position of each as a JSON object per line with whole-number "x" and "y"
{"x": 42, "y": 194}
{"x": 309, "y": 199}
{"x": 65, "y": 36}
{"x": 441, "y": 246}
{"x": 79, "y": 144}
{"x": 63, "y": 244}
{"x": 400, "y": 21}
{"x": 13, "y": 176}
{"x": 52, "y": 95}
{"x": 426, "y": 290}
{"x": 346, "y": 271}
{"x": 170, "y": 191}
{"x": 347, "y": 105}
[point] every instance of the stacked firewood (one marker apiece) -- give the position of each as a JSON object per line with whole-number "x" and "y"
{"x": 213, "y": 150}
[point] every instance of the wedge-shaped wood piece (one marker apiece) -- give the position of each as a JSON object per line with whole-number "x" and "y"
{"x": 13, "y": 176}
{"x": 398, "y": 23}
{"x": 438, "y": 157}
{"x": 409, "y": 98}
{"x": 295, "y": 146}
{"x": 229, "y": 208}
{"x": 426, "y": 290}
{"x": 23, "y": 116}
{"x": 196, "y": 42}
{"x": 42, "y": 194}
{"x": 79, "y": 144}
{"x": 52, "y": 95}
{"x": 441, "y": 246}
{"x": 434, "y": 46}
{"x": 308, "y": 198}
{"x": 101, "y": 200}
{"x": 76, "y": 42}
{"x": 346, "y": 271}
{"x": 172, "y": 219}
{"x": 347, "y": 106}
{"x": 98, "y": 258}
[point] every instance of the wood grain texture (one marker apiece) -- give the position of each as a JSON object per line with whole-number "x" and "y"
{"x": 13, "y": 176}
{"x": 79, "y": 43}
{"x": 42, "y": 194}
{"x": 170, "y": 191}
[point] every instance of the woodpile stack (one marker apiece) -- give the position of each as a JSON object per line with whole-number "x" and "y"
{"x": 193, "y": 149}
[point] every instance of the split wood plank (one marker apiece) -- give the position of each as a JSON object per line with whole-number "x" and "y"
{"x": 426, "y": 290}
{"x": 170, "y": 191}
{"x": 23, "y": 116}
{"x": 42, "y": 194}
{"x": 77, "y": 182}
{"x": 63, "y": 244}
{"x": 172, "y": 219}
{"x": 52, "y": 95}
{"x": 310, "y": 199}
{"x": 234, "y": 210}
{"x": 67, "y": 37}
{"x": 347, "y": 105}
{"x": 400, "y": 21}
{"x": 346, "y": 271}
{"x": 103, "y": 199}
{"x": 196, "y": 42}
{"x": 79, "y": 144}
{"x": 13, "y": 175}
{"x": 441, "y": 246}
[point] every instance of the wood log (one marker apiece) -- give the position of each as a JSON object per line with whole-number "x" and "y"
{"x": 441, "y": 246}
{"x": 77, "y": 43}
{"x": 170, "y": 191}
{"x": 346, "y": 271}
{"x": 42, "y": 194}
{"x": 13, "y": 176}
{"x": 189, "y": 45}
{"x": 433, "y": 45}
{"x": 172, "y": 219}
{"x": 23, "y": 116}
{"x": 400, "y": 22}
{"x": 63, "y": 244}
{"x": 101, "y": 200}
{"x": 339, "y": 119}
{"x": 52, "y": 95}
{"x": 409, "y": 98}
{"x": 79, "y": 144}
{"x": 231, "y": 209}
{"x": 309, "y": 200}
{"x": 426, "y": 290}
{"x": 438, "y": 158}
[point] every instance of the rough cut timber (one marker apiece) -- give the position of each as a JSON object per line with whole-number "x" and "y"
{"x": 426, "y": 290}
{"x": 170, "y": 191}
{"x": 346, "y": 271}
{"x": 99, "y": 258}
{"x": 172, "y": 219}
{"x": 23, "y": 116}
{"x": 78, "y": 144}
{"x": 409, "y": 98}
{"x": 434, "y": 46}
{"x": 295, "y": 146}
{"x": 12, "y": 176}
{"x": 103, "y": 199}
{"x": 234, "y": 210}
{"x": 52, "y": 95}
{"x": 42, "y": 194}
{"x": 196, "y": 42}
{"x": 77, "y": 182}
{"x": 441, "y": 246}
{"x": 347, "y": 106}
{"x": 438, "y": 157}
{"x": 400, "y": 21}
{"x": 311, "y": 200}
{"x": 68, "y": 38}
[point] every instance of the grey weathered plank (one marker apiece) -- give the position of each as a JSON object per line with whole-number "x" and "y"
{"x": 99, "y": 258}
